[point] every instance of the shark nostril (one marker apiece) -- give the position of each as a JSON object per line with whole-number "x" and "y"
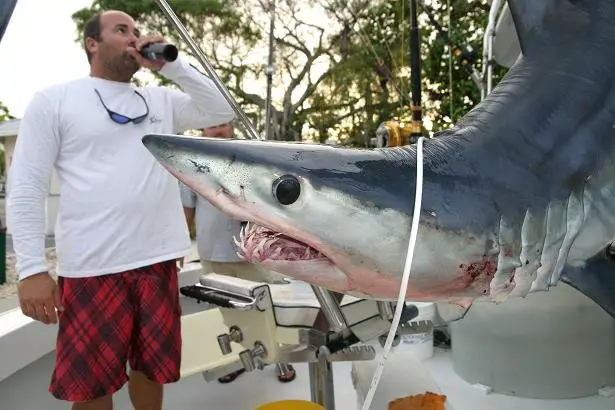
{"x": 286, "y": 189}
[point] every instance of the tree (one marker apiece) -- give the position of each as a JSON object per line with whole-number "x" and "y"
{"x": 453, "y": 96}
{"x": 4, "y": 113}
{"x": 380, "y": 39}
{"x": 341, "y": 67}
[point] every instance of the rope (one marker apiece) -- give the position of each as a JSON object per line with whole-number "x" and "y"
{"x": 418, "y": 196}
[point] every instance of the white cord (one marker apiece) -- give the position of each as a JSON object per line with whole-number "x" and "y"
{"x": 406, "y": 276}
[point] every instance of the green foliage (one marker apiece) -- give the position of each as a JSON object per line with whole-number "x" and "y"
{"x": 379, "y": 67}
{"x": 469, "y": 21}
{"x": 4, "y": 113}
{"x": 336, "y": 76}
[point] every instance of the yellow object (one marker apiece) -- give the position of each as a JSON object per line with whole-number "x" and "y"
{"x": 400, "y": 132}
{"x": 291, "y": 405}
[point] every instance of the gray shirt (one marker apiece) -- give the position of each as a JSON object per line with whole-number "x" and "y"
{"x": 214, "y": 229}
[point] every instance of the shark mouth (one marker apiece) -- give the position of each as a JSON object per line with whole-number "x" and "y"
{"x": 257, "y": 243}
{"x": 284, "y": 254}
{"x": 260, "y": 244}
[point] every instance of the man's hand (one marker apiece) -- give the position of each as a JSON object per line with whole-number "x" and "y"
{"x": 39, "y": 297}
{"x": 144, "y": 62}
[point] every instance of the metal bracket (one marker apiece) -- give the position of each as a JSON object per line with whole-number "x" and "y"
{"x": 250, "y": 358}
{"x": 224, "y": 340}
{"x": 230, "y": 297}
{"x": 320, "y": 349}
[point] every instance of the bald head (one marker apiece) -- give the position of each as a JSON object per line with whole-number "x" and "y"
{"x": 220, "y": 131}
{"x": 107, "y": 37}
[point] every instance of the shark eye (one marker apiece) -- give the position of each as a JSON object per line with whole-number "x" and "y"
{"x": 286, "y": 189}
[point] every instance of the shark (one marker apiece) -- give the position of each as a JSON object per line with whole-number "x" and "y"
{"x": 517, "y": 195}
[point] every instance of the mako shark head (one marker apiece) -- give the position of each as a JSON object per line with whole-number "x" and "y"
{"x": 333, "y": 217}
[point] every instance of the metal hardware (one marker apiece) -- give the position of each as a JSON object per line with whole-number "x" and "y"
{"x": 250, "y": 357}
{"x": 224, "y": 340}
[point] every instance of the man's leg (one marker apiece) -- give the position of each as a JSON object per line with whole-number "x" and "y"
{"x": 103, "y": 403}
{"x": 155, "y": 352}
{"x": 144, "y": 393}
{"x": 94, "y": 332}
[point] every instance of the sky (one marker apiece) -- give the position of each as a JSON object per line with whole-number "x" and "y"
{"x": 39, "y": 49}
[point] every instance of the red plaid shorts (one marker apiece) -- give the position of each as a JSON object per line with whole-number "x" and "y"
{"x": 109, "y": 320}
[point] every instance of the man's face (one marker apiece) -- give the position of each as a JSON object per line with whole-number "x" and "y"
{"x": 118, "y": 34}
{"x": 219, "y": 131}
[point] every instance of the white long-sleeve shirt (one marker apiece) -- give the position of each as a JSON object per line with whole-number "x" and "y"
{"x": 119, "y": 208}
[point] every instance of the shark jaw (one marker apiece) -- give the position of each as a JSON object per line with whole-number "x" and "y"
{"x": 274, "y": 244}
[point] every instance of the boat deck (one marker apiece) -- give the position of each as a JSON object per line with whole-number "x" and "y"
{"x": 27, "y": 390}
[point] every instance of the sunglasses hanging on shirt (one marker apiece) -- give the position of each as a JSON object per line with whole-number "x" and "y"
{"x": 122, "y": 119}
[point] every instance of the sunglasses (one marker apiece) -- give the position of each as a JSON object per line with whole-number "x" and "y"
{"x": 122, "y": 119}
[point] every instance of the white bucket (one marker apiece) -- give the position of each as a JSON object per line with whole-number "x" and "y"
{"x": 420, "y": 344}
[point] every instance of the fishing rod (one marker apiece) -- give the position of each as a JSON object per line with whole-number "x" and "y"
{"x": 200, "y": 56}
{"x": 397, "y": 133}
{"x": 270, "y": 69}
{"x": 416, "y": 126}
{"x": 394, "y": 133}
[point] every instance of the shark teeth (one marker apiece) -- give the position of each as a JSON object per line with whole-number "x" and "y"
{"x": 276, "y": 253}
{"x": 256, "y": 243}
{"x": 237, "y": 241}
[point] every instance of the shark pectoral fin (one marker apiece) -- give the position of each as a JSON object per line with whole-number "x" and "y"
{"x": 596, "y": 280}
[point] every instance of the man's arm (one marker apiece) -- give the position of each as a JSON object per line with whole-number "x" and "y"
{"x": 29, "y": 177}
{"x": 188, "y": 199}
{"x": 201, "y": 104}
{"x": 189, "y": 213}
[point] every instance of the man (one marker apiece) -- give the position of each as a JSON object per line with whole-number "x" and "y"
{"x": 214, "y": 234}
{"x": 121, "y": 226}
